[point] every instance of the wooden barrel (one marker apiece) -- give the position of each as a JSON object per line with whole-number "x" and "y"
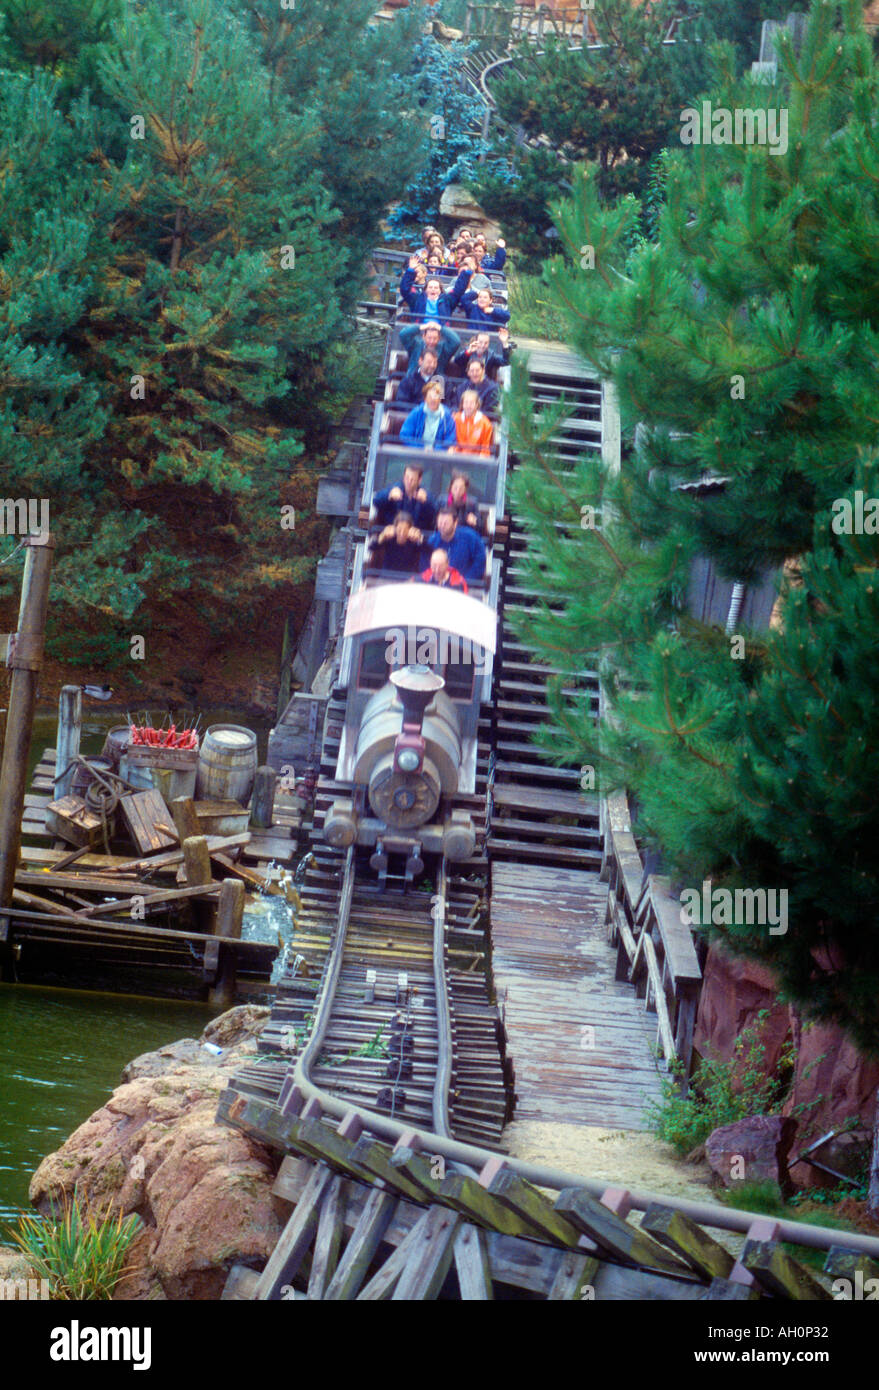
{"x": 227, "y": 764}
{"x": 115, "y": 744}
{"x": 82, "y": 777}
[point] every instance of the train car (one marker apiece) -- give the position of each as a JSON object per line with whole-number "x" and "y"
{"x": 416, "y": 668}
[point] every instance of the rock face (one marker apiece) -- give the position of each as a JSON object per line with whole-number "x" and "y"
{"x": 833, "y": 1084}
{"x": 202, "y": 1190}
{"x": 464, "y": 210}
{"x": 752, "y": 1150}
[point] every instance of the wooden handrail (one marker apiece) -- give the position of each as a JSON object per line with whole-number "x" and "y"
{"x": 655, "y": 950}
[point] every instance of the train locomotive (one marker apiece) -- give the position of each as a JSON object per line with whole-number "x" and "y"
{"x": 416, "y": 664}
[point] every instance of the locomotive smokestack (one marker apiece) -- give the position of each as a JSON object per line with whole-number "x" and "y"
{"x": 417, "y": 686}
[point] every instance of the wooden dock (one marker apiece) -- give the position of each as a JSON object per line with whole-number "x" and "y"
{"x": 581, "y": 1043}
{"x": 71, "y": 923}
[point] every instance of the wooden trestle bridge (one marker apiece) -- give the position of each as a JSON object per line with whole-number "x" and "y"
{"x": 410, "y": 1026}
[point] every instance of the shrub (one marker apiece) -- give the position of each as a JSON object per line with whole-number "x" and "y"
{"x": 720, "y": 1093}
{"x": 81, "y": 1256}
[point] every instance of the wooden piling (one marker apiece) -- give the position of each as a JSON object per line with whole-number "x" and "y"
{"x": 197, "y": 868}
{"x": 67, "y": 742}
{"x": 230, "y": 915}
{"x": 25, "y": 663}
{"x": 262, "y": 807}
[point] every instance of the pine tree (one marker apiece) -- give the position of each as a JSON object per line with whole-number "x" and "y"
{"x": 67, "y": 40}
{"x": 349, "y": 74}
{"x": 616, "y": 106}
{"x": 744, "y": 343}
{"x": 156, "y": 329}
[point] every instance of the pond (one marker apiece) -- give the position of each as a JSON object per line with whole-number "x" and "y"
{"x": 61, "y": 1051}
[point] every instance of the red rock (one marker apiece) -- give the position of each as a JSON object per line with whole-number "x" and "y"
{"x": 734, "y": 991}
{"x": 751, "y": 1150}
{"x": 203, "y": 1190}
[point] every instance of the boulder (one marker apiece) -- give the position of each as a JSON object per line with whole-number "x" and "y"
{"x": 751, "y": 1150}
{"x": 464, "y": 210}
{"x": 235, "y": 1026}
{"x": 203, "y": 1190}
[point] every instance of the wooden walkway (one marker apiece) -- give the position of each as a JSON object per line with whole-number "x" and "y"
{"x": 554, "y": 975}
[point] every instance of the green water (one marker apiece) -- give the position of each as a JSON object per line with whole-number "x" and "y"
{"x": 62, "y": 1052}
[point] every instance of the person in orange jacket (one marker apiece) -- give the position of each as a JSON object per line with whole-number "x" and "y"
{"x": 473, "y": 430}
{"x": 441, "y": 573}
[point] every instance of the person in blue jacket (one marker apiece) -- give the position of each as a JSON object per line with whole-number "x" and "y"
{"x": 479, "y": 306}
{"x": 430, "y": 425}
{"x": 466, "y": 551}
{"x": 431, "y": 336}
{"x": 486, "y": 262}
{"x": 430, "y": 303}
{"x": 407, "y": 496}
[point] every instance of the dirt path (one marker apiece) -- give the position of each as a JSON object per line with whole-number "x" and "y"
{"x": 624, "y": 1158}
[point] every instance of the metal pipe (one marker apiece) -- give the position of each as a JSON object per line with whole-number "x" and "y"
{"x": 707, "y": 1213}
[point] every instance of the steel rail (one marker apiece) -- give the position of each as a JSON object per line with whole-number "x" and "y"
{"x": 438, "y": 1142}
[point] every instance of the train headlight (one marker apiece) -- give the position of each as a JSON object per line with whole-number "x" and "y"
{"x": 408, "y": 760}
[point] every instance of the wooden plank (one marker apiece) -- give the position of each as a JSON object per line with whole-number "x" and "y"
{"x": 683, "y": 1237}
{"x": 143, "y": 812}
{"x": 33, "y": 900}
{"x": 375, "y": 1159}
{"x": 613, "y": 1235}
{"x": 366, "y": 1237}
{"x": 780, "y": 1273}
{"x": 250, "y": 876}
{"x": 723, "y": 1291}
{"x": 680, "y": 952}
{"x": 330, "y": 1228}
{"x": 431, "y": 1256}
{"x": 529, "y": 1203}
{"x": 574, "y": 1277}
{"x": 295, "y": 1239}
{"x": 849, "y": 1264}
{"x": 382, "y": 1284}
{"x": 473, "y": 1266}
{"x": 476, "y": 1204}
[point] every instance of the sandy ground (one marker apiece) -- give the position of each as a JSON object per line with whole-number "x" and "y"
{"x": 624, "y": 1158}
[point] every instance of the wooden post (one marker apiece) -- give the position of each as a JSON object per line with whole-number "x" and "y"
{"x": 197, "y": 868}
{"x": 25, "y": 664}
{"x": 196, "y": 860}
{"x": 185, "y": 820}
{"x": 67, "y": 741}
{"x": 262, "y": 807}
{"x": 230, "y": 914}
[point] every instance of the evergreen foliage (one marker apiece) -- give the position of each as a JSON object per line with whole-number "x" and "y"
{"x": 444, "y": 126}
{"x": 179, "y": 250}
{"x": 615, "y": 107}
{"x": 744, "y": 343}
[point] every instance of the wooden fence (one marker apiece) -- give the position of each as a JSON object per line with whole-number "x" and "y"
{"x": 655, "y": 950}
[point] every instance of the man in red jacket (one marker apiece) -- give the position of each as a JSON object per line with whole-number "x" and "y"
{"x": 441, "y": 573}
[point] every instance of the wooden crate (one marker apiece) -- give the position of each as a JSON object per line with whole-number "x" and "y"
{"x": 150, "y": 823}
{"x": 71, "y": 819}
{"x": 180, "y": 759}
